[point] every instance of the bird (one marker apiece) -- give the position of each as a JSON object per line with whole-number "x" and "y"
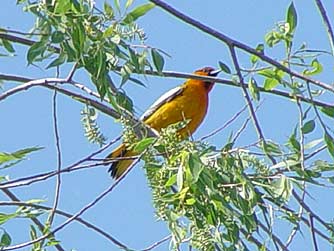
{"x": 186, "y": 102}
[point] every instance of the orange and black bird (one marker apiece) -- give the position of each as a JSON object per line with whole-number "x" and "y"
{"x": 186, "y": 102}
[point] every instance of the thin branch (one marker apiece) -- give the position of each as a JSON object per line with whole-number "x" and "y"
{"x": 49, "y": 83}
{"x": 275, "y": 239}
{"x": 158, "y": 243}
{"x": 67, "y": 215}
{"x": 305, "y": 221}
{"x": 249, "y": 101}
{"x": 59, "y": 161}
{"x": 314, "y": 239}
{"x": 79, "y": 213}
{"x": 226, "y": 124}
{"x": 251, "y": 238}
{"x": 36, "y": 221}
{"x": 43, "y": 176}
{"x": 243, "y": 126}
{"x": 327, "y": 23}
{"x": 302, "y": 164}
{"x": 231, "y": 42}
{"x": 310, "y": 211}
{"x": 182, "y": 75}
{"x": 71, "y": 73}
{"x": 23, "y": 41}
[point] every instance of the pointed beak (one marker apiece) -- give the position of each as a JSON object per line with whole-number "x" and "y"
{"x": 214, "y": 73}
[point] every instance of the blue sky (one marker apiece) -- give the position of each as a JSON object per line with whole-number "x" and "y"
{"x": 127, "y": 213}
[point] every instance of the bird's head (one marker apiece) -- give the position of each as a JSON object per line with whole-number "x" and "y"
{"x": 209, "y": 72}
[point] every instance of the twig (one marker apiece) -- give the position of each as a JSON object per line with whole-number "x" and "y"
{"x": 154, "y": 245}
{"x": 243, "y": 126}
{"x": 231, "y": 42}
{"x": 67, "y": 215}
{"x": 314, "y": 239}
{"x": 302, "y": 164}
{"x": 24, "y": 41}
{"x": 251, "y": 238}
{"x": 59, "y": 161}
{"x": 192, "y": 76}
{"x": 309, "y": 210}
{"x": 226, "y": 124}
{"x": 78, "y": 214}
{"x": 305, "y": 221}
{"x": 249, "y": 101}
{"x": 43, "y": 176}
{"x": 49, "y": 83}
{"x": 71, "y": 74}
{"x": 36, "y": 221}
{"x": 274, "y": 237}
{"x": 327, "y": 23}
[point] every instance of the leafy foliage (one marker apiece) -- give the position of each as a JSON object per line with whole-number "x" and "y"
{"x": 214, "y": 199}
{"x": 229, "y": 198}
{"x": 99, "y": 41}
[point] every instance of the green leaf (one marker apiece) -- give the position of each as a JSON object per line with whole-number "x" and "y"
{"x": 6, "y": 217}
{"x": 273, "y": 37}
{"x": 134, "y": 59}
{"x": 8, "y": 46}
{"x": 78, "y": 37}
{"x": 58, "y": 61}
{"x": 117, "y": 5}
{"x": 329, "y": 111}
{"x": 124, "y": 101}
{"x": 259, "y": 48}
{"x": 313, "y": 143}
{"x": 190, "y": 201}
{"x": 108, "y": 9}
{"x": 271, "y": 147}
{"x": 57, "y": 37}
{"x": 195, "y": 166}
{"x": 224, "y": 67}
{"x": 282, "y": 188}
{"x": 62, "y": 6}
{"x": 330, "y": 144}
{"x": 270, "y": 83}
{"x": 36, "y": 50}
{"x": 294, "y": 143}
{"x": 291, "y": 18}
{"x": 6, "y": 240}
{"x": 158, "y": 60}
{"x": 171, "y": 181}
{"x": 20, "y": 154}
{"x": 308, "y": 127}
{"x": 138, "y": 12}
{"x": 316, "y": 68}
{"x": 128, "y": 3}
{"x": 143, "y": 144}
{"x": 254, "y": 90}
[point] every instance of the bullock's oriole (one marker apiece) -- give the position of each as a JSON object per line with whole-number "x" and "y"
{"x": 186, "y": 102}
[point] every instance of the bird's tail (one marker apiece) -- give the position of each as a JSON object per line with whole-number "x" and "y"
{"x": 117, "y": 168}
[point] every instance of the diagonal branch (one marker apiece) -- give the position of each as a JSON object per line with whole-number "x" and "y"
{"x": 232, "y": 42}
{"x": 36, "y": 221}
{"x": 79, "y": 213}
{"x": 67, "y": 215}
{"x": 327, "y": 23}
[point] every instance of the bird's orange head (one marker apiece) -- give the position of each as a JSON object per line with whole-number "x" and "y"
{"x": 210, "y": 72}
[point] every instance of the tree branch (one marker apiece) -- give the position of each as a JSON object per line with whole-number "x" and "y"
{"x": 67, "y": 215}
{"x": 231, "y": 42}
{"x": 327, "y": 23}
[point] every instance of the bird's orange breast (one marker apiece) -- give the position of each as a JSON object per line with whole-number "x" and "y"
{"x": 191, "y": 104}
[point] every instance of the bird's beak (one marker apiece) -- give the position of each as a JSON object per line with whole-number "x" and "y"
{"x": 214, "y": 73}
